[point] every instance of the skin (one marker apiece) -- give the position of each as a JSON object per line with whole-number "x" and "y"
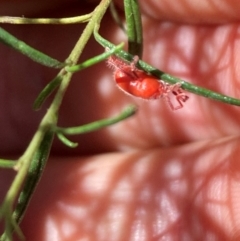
{"x": 161, "y": 175}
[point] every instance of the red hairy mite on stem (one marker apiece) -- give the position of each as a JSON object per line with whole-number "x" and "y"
{"x": 136, "y": 82}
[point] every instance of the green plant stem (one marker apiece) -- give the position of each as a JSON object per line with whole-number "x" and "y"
{"x": 22, "y": 20}
{"x": 27, "y": 50}
{"x": 167, "y": 77}
{"x": 49, "y": 120}
{"x": 96, "y": 125}
{"x": 96, "y": 18}
{"x": 134, "y": 27}
{"x": 96, "y": 59}
{"x": 34, "y": 173}
{"x": 22, "y": 168}
{"x": 48, "y": 89}
{"x": 7, "y": 163}
{"x": 66, "y": 141}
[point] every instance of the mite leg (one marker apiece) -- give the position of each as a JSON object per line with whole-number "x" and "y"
{"x": 168, "y": 100}
{"x": 134, "y": 63}
{"x": 179, "y": 95}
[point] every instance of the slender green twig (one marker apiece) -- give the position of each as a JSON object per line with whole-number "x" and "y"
{"x": 72, "y": 69}
{"x": 34, "y": 174}
{"x": 94, "y": 60}
{"x": 27, "y": 50}
{"x": 93, "y": 126}
{"x": 22, "y": 167}
{"x": 35, "y": 171}
{"x": 23, "y": 20}
{"x": 134, "y": 27}
{"x": 167, "y": 77}
{"x": 66, "y": 141}
{"x": 7, "y": 163}
{"x": 47, "y": 123}
{"x": 48, "y": 89}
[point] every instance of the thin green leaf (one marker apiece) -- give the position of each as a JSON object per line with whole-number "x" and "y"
{"x": 66, "y": 141}
{"x": 7, "y": 163}
{"x": 46, "y": 92}
{"x": 23, "y": 20}
{"x": 94, "y": 60}
{"x": 27, "y": 50}
{"x": 34, "y": 174}
{"x": 134, "y": 27}
{"x": 96, "y": 125}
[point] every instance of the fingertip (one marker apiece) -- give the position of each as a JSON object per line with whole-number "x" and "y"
{"x": 197, "y": 12}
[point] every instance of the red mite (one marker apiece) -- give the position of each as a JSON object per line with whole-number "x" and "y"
{"x": 138, "y": 83}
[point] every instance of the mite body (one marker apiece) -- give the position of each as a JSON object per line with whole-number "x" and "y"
{"x": 138, "y": 83}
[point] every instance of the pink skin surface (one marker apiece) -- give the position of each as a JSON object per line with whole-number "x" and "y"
{"x": 160, "y": 175}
